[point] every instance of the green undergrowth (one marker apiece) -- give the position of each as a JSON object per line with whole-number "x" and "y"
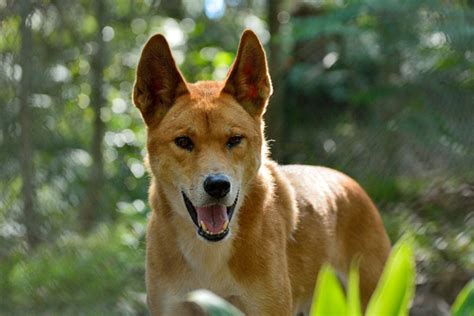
{"x": 99, "y": 274}
{"x": 392, "y": 296}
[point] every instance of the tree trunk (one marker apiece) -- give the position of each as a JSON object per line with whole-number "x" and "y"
{"x": 92, "y": 201}
{"x": 171, "y": 8}
{"x": 26, "y": 151}
{"x": 274, "y": 116}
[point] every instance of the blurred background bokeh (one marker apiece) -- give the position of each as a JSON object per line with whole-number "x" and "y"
{"x": 382, "y": 90}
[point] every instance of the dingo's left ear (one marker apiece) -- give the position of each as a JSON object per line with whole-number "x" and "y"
{"x": 248, "y": 80}
{"x": 158, "y": 83}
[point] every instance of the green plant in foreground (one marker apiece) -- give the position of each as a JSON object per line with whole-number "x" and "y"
{"x": 464, "y": 303}
{"x": 392, "y": 296}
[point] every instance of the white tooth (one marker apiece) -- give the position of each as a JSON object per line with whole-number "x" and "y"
{"x": 224, "y": 227}
{"x": 203, "y": 226}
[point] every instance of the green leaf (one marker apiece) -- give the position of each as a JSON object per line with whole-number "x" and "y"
{"x": 328, "y": 297}
{"x": 212, "y": 304}
{"x": 353, "y": 295}
{"x": 396, "y": 286}
{"x": 464, "y": 303}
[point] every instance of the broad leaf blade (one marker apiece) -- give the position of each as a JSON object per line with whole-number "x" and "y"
{"x": 395, "y": 289}
{"x": 328, "y": 297}
{"x": 353, "y": 293}
{"x": 464, "y": 303}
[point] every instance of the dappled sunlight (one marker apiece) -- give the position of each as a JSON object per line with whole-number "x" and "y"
{"x": 382, "y": 91}
{"x": 214, "y": 9}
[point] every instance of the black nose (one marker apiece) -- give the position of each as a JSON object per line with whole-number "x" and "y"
{"x": 217, "y": 185}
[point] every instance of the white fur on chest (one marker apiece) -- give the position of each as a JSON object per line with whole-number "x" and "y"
{"x": 207, "y": 268}
{"x": 208, "y": 265}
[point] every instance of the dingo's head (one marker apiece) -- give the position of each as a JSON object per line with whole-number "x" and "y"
{"x": 205, "y": 140}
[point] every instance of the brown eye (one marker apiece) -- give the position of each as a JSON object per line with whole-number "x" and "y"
{"x": 184, "y": 142}
{"x": 234, "y": 141}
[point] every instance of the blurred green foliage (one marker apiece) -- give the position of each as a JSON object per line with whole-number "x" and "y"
{"x": 464, "y": 303}
{"x": 382, "y": 90}
{"x": 395, "y": 289}
{"x": 99, "y": 274}
{"x": 329, "y": 296}
{"x": 392, "y": 296}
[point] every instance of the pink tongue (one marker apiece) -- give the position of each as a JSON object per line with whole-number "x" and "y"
{"x": 213, "y": 216}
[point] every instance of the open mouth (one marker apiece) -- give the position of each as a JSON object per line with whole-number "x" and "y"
{"x": 211, "y": 221}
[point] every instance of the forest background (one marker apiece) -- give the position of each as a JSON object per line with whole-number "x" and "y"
{"x": 382, "y": 90}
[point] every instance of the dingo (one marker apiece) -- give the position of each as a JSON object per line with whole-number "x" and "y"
{"x": 227, "y": 218}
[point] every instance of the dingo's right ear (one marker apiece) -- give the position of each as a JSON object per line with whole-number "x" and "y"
{"x": 158, "y": 82}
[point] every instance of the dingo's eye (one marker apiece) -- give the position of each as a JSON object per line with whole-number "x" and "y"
{"x": 234, "y": 141}
{"x": 184, "y": 142}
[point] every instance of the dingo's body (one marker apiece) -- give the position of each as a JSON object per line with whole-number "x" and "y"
{"x": 224, "y": 216}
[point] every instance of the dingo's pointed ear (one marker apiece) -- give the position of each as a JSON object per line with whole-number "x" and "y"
{"x": 158, "y": 82}
{"x": 248, "y": 80}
